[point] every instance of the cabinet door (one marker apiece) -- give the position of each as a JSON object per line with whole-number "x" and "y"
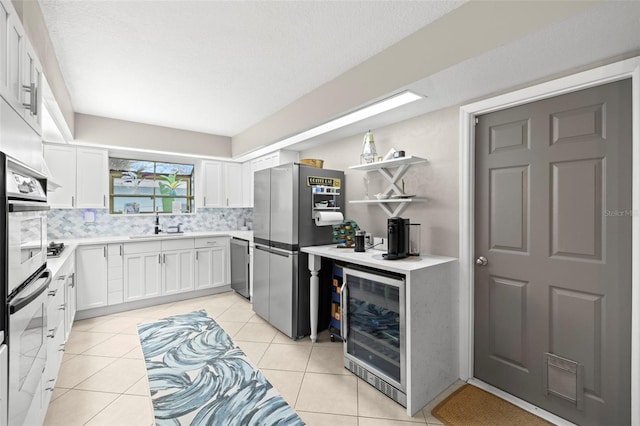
{"x": 15, "y": 50}
{"x": 203, "y": 268}
{"x": 92, "y": 178}
{"x": 247, "y": 184}
{"x": 4, "y": 17}
{"x": 233, "y": 184}
{"x": 71, "y": 295}
{"x": 212, "y": 184}
{"x": 91, "y": 265}
{"x": 261, "y": 282}
{"x": 219, "y": 266}
{"x": 61, "y": 161}
{"x": 31, "y": 93}
{"x": 115, "y": 274}
{"x": 142, "y": 276}
{"x": 177, "y": 271}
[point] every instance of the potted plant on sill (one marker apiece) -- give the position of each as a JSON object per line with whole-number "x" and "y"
{"x": 168, "y": 188}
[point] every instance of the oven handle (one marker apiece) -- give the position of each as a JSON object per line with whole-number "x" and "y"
{"x": 17, "y": 304}
{"x": 27, "y": 206}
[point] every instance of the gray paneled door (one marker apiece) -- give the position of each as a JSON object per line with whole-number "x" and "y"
{"x": 553, "y": 221}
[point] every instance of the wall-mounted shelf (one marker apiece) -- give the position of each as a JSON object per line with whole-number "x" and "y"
{"x": 327, "y": 191}
{"x": 393, "y": 171}
{"x": 387, "y": 205}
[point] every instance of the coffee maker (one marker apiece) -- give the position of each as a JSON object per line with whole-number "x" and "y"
{"x": 397, "y": 238}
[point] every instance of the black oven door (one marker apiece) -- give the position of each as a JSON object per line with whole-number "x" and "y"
{"x": 27, "y": 241}
{"x": 27, "y": 346}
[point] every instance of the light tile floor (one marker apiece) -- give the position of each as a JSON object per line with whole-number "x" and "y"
{"x": 103, "y": 381}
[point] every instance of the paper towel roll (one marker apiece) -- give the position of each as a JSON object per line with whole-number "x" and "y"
{"x": 328, "y": 218}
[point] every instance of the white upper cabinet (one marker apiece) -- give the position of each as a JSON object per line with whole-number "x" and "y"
{"x": 247, "y": 184}
{"x": 20, "y": 69}
{"x": 212, "y": 187}
{"x": 61, "y": 160}
{"x": 233, "y": 184}
{"x": 13, "y": 61}
{"x": 83, "y": 176}
{"x": 92, "y": 178}
{"x": 32, "y": 88}
{"x": 260, "y": 163}
{"x": 4, "y": 69}
{"x": 221, "y": 184}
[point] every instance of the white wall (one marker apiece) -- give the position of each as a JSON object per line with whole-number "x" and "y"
{"x": 433, "y": 136}
{"x": 107, "y": 131}
{"x": 468, "y": 31}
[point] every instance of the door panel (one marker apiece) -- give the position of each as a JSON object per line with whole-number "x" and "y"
{"x": 509, "y": 209}
{"x": 260, "y": 297}
{"x": 281, "y": 291}
{"x": 553, "y": 217}
{"x": 508, "y": 307}
{"x": 282, "y": 202}
{"x": 576, "y": 208}
{"x": 262, "y": 204}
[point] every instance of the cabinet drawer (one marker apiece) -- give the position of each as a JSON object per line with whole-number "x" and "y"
{"x": 206, "y": 242}
{"x": 142, "y": 247}
{"x": 55, "y": 303}
{"x": 181, "y": 244}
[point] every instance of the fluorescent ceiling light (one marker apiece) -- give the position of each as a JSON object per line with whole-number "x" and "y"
{"x": 384, "y": 105}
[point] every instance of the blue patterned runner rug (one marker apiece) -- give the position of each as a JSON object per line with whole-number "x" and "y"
{"x": 198, "y": 376}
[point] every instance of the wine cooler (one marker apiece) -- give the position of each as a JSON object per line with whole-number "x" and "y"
{"x": 373, "y": 329}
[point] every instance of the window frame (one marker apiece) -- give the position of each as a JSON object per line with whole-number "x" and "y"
{"x": 156, "y": 196}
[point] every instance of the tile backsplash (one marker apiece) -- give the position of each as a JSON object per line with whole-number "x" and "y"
{"x": 86, "y": 223}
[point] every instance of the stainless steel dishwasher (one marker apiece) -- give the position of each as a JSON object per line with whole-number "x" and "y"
{"x": 240, "y": 266}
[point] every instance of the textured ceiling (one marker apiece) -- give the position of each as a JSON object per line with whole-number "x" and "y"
{"x": 217, "y": 66}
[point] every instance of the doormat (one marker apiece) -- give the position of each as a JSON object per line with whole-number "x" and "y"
{"x": 198, "y": 376}
{"x": 470, "y": 405}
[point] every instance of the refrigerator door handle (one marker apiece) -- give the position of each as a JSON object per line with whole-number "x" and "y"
{"x": 272, "y": 251}
{"x": 280, "y": 253}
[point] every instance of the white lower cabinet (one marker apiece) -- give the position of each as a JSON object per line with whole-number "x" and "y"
{"x": 157, "y": 268}
{"x": 142, "y": 270}
{"x": 69, "y": 273}
{"x": 61, "y": 309}
{"x": 212, "y": 262}
{"x": 92, "y": 270}
{"x": 116, "y": 273}
{"x": 177, "y": 266}
{"x": 115, "y": 276}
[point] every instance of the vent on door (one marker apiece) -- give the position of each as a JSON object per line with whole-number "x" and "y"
{"x": 564, "y": 378}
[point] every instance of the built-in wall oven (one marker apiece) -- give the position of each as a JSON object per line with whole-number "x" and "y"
{"x": 373, "y": 329}
{"x": 23, "y": 218}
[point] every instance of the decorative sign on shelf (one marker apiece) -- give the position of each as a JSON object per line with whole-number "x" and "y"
{"x": 324, "y": 181}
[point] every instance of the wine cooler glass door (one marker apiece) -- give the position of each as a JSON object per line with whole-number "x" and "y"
{"x": 375, "y": 326}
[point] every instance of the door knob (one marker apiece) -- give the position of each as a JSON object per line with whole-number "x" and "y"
{"x": 482, "y": 261}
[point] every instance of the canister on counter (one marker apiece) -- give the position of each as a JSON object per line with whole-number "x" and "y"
{"x": 359, "y": 241}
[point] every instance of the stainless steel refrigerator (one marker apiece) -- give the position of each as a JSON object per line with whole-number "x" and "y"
{"x": 284, "y": 205}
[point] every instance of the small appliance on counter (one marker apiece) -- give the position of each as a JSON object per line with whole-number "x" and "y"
{"x": 55, "y": 249}
{"x": 397, "y": 238}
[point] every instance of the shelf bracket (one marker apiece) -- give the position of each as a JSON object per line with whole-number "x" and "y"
{"x": 393, "y": 178}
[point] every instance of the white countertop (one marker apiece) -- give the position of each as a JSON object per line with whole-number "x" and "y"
{"x": 373, "y": 258}
{"x": 244, "y": 235}
{"x": 55, "y": 263}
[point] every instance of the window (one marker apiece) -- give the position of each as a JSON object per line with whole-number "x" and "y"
{"x": 138, "y": 186}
